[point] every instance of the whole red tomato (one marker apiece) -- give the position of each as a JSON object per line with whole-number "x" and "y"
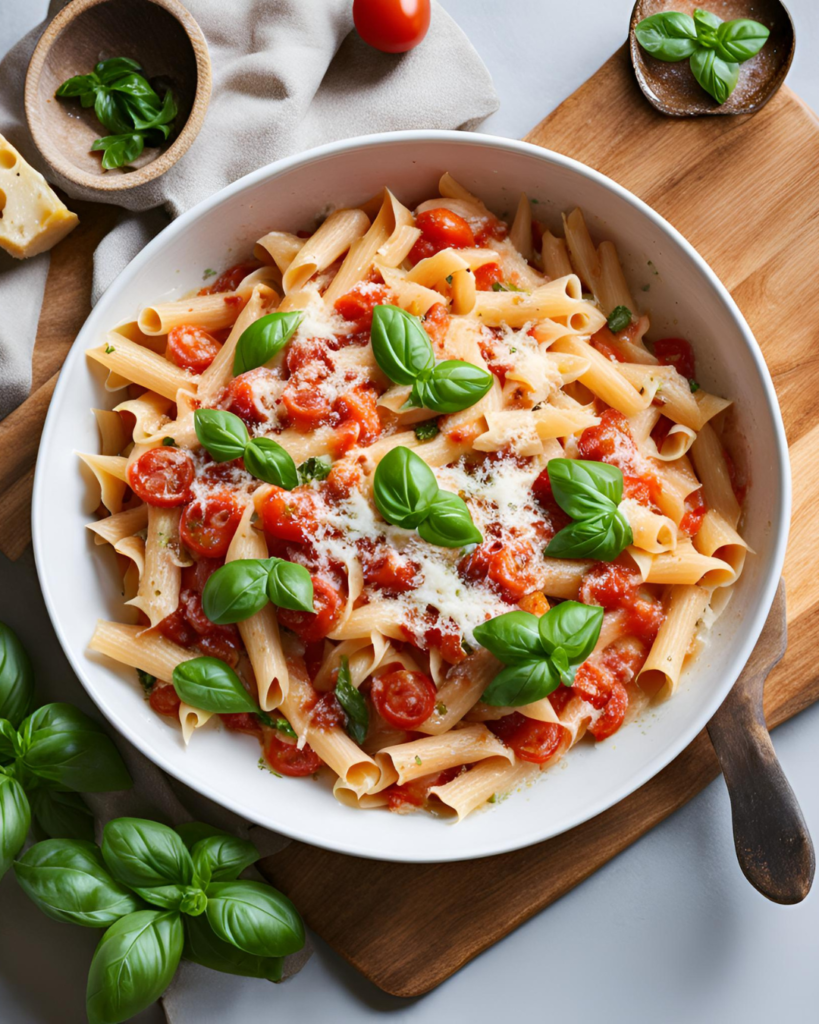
{"x": 393, "y": 26}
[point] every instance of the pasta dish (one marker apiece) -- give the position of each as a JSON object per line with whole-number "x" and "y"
{"x": 412, "y": 499}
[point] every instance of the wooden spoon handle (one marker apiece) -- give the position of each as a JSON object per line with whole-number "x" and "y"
{"x": 773, "y": 845}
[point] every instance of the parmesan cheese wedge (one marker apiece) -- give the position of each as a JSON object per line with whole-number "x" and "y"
{"x": 32, "y": 218}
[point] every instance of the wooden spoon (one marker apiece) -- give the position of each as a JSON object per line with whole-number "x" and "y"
{"x": 773, "y": 845}
{"x": 672, "y": 88}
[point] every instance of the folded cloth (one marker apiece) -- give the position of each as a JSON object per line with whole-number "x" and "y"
{"x": 287, "y": 75}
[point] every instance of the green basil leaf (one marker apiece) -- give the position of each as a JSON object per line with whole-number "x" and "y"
{"x": 400, "y": 344}
{"x": 223, "y": 858}
{"x": 451, "y": 386}
{"x": 289, "y": 585}
{"x": 136, "y": 85}
{"x": 62, "y": 815}
{"x": 619, "y": 319}
{"x": 211, "y": 685}
{"x": 264, "y": 339}
{"x": 513, "y": 638}
{"x": 449, "y": 523}
{"x": 115, "y": 67}
{"x": 68, "y": 881}
{"x": 268, "y": 461}
{"x": 9, "y": 741}
{"x": 716, "y": 76}
{"x": 602, "y": 538}
{"x": 79, "y": 85}
{"x": 566, "y": 671}
{"x": 16, "y": 678}
{"x": 739, "y": 40}
{"x": 317, "y": 467}
{"x": 668, "y": 35}
{"x": 254, "y": 917}
{"x": 145, "y": 854}
{"x": 155, "y": 118}
{"x": 426, "y": 430}
{"x": 119, "y": 150}
{"x": 109, "y": 115}
{"x": 221, "y": 433}
{"x": 521, "y": 684}
{"x": 174, "y": 897}
{"x": 236, "y": 590}
{"x": 584, "y": 489}
{"x": 203, "y": 947}
{"x": 705, "y": 23}
{"x": 133, "y": 964}
{"x": 277, "y": 723}
{"x": 67, "y": 748}
{"x": 352, "y": 704}
{"x": 15, "y": 819}
{"x": 404, "y": 487}
{"x": 571, "y": 627}
{"x": 190, "y": 832}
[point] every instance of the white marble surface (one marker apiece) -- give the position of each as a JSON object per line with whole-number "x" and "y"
{"x": 669, "y": 931}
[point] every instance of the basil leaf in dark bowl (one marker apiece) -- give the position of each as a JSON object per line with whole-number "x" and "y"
{"x": 667, "y": 35}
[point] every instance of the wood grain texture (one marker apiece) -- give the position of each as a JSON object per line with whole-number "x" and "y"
{"x": 372, "y": 912}
{"x": 702, "y": 175}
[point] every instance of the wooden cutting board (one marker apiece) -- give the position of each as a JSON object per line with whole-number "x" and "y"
{"x": 745, "y": 192}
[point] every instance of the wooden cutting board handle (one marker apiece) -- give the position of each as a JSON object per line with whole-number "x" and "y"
{"x": 773, "y": 845}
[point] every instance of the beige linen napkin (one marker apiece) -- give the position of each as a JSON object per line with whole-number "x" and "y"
{"x": 287, "y": 75}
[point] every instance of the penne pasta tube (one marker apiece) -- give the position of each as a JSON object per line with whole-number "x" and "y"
{"x": 161, "y": 579}
{"x": 143, "y": 366}
{"x": 331, "y": 240}
{"x": 120, "y": 525}
{"x": 133, "y": 646}
{"x": 661, "y": 672}
{"x": 435, "y": 753}
{"x": 473, "y": 788}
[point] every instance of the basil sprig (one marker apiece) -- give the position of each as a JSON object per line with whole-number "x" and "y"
{"x": 539, "y": 653}
{"x": 264, "y": 339}
{"x": 589, "y": 492}
{"x": 243, "y": 587}
{"x": 352, "y": 704}
{"x": 162, "y": 895}
{"x": 406, "y": 494}
{"x": 126, "y": 104}
{"x": 45, "y": 757}
{"x": 713, "y": 48}
{"x": 226, "y": 438}
{"x": 404, "y": 352}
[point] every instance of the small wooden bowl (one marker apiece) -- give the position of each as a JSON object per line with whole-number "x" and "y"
{"x": 160, "y": 34}
{"x": 672, "y": 88}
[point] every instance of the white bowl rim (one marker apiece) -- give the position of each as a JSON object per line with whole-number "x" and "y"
{"x": 752, "y": 624}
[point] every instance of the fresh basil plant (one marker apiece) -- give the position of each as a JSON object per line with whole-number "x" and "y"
{"x": 16, "y": 678}
{"x": 589, "y": 492}
{"x": 404, "y": 352}
{"x": 243, "y": 587}
{"x": 264, "y": 339}
{"x": 713, "y": 48}
{"x": 225, "y": 437}
{"x": 162, "y": 895}
{"x": 539, "y": 653}
{"x": 352, "y": 704}
{"x": 406, "y": 494}
{"x": 126, "y": 105}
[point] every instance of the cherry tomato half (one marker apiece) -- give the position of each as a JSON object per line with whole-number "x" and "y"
{"x": 289, "y": 516}
{"x": 531, "y": 740}
{"x": 357, "y": 306}
{"x": 208, "y": 525}
{"x": 162, "y": 477}
{"x": 164, "y": 700}
{"x": 192, "y": 348}
{"x": 287, "y": 759}
{"x": 312, "y": 626}
{"x": 404, "y": 699}
{"x": 440, "y": 229}
{"x": 676, "y": 352}
{"x": 230, "y": 279}
{"x": 392, "y": 26}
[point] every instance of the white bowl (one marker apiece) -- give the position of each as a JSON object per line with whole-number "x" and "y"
{"x": 80, "y": 582}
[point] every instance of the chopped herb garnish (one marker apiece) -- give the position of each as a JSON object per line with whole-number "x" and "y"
{"x": 513, "y": 349}
{"x": 169, "y": 442}
{"x": 208, "y": 273}
{"x": 418, "y": 760}
{"x": 146, "y": 680}
{"x": 317, "y": 467}
{"x": 693, "y": 385}
{"x": 507, "y": 287}
{"x": 535, "y": 201}
{"x": 646, "y": 287}
{"x": 468, "y": 649}
{"x": 619, "y": 319}
{"x": 654, "y": 270}
{"x": 427, "y": 430}
{"x": 449, "y": 278}
{"x": 109, "y": 349}
{"x": 263, "y": 766}
{"x": 277, "y": 723}
{"x": 440, "y": 707}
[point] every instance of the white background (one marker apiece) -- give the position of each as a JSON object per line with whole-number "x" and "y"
{"x": 669, "y": 931}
